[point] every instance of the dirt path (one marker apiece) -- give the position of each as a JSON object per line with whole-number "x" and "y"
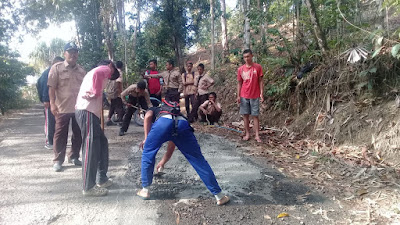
{"x": 33, "y": 194}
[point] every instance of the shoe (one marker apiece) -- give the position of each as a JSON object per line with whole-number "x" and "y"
{"x": 223, "y": 200}
{"x": 106, "y": 184}
{"x": 109, "y": 123}
{"x": 76, "y": 162}
{"x": 57, "y": 167}
{"x": 145, "y": 195}
{"x": 49, "y": 147}
{"x": 95, "y": 191}
{"x": 121, "y": 133}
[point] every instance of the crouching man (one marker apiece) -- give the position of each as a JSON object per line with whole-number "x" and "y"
{"x": 210, "y": 110}
{"x": 165, "y": 123}
{"x": 95, "y": 144}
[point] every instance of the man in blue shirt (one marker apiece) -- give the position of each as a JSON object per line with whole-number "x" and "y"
{"x": 43, "y": 92}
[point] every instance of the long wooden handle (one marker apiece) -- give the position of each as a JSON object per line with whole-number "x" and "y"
{"x": 102, "y": 117}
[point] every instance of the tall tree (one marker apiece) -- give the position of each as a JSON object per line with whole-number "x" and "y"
{"x": 212, "y": 35}
{"x": 224, "y": 31}
{"x": 318, "y": 32}
{"x": 297, "y": 27}
{"x": 136, "y": 27}
{"x": 246, "y": 11}
{"x": 12, "y": 72}
{"x": 108, "y": 16}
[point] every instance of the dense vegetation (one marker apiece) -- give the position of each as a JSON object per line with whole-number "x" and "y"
{"x": 285, "y": 34}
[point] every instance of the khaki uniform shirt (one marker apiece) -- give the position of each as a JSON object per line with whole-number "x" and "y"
{"x": 66, "y": 80}
{"x": 131, "y": 90}
{"x": 112, "y": 90}
{"x": 172, "y": 79}
{"x": 209, "y": 107}
{"x": 205, "y": 81}
{"x": 189, "y": 89}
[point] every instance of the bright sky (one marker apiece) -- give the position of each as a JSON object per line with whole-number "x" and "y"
{"x": 65, "y": 31}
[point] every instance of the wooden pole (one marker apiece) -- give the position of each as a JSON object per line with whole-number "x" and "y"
{"x": 212, "y": 35}
{"x": 102, "y": 118}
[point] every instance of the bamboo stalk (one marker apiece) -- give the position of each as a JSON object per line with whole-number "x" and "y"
{"x": 102, "y": 118}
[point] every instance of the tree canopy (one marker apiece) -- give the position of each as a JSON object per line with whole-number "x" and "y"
{"x": 281, "y": 32}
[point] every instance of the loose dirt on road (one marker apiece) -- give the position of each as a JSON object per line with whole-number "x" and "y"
{"x": 32, "y": 193}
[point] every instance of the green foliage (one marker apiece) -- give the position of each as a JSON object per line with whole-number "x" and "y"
{"x": 37, "y": 15}
{"x": 43, "y": 55}
{"x": 12, "y": 78}
{"x": 12, "y": 71}
{"x": 395, "y": 51}
{"x": 392, "y": 4}
{"x": 9, "y": 20}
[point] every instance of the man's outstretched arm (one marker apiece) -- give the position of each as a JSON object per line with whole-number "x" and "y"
{"x": 167, "y": 156}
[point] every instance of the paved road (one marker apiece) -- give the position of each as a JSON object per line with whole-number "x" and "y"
{"x": 32, "y": 193}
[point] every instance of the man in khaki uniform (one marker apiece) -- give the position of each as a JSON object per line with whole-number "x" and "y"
{"x": 137, "y": 94}
{"x": 189, "y": 90}
{"x": 203, "y": 82}
{"x": 65, "y": 79}
{"x": 113, "y": 91}
{"x": 172, "y": 81}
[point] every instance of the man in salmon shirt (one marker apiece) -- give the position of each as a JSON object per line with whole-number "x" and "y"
{"x": 95, "y": 144}
{"x": 64, "y": 81}
{"x": 250, "y": 90}
{"x": 154, "y": 85}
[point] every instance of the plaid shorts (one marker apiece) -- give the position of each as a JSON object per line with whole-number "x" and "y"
{"x": 250, "y": 106}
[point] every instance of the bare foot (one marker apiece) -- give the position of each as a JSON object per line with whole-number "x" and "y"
{"x": 246, "y": 138}
{"x": 258, "y": 139}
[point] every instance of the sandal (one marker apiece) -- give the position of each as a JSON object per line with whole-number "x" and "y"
{"x": 223, "y": 200}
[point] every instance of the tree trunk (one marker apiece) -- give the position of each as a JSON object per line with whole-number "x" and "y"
{"x": 260, "y": 9}
{"x": 97, "y": 25}
{"x": 319, "y": 34}
{"x": 107, "y": 14}
{"x": 212, "y": 35}
{"x": 224, "y": 32}
{"x": 298, "y": 33}
{"x": 246, "y": 9}
{"x": 136, "y": 30}
{"x": 120, "y": 14}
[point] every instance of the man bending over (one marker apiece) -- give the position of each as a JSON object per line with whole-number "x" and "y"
{"x": 160, "y": 125}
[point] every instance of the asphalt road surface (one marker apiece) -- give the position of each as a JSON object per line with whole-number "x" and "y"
{"x": 32, "y": 193}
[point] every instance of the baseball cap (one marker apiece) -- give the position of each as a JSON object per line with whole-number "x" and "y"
{"x": 69, "y": 46}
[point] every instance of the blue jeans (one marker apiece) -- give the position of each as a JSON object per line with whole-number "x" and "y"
{"x": 161, "y": 132}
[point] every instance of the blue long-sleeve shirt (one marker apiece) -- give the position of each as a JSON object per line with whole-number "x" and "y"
{"x": 42, "y": 88}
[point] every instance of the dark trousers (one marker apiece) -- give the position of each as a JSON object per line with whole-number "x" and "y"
{"x": 153, "y": 102}
{"x": 200, "y": 99}
{"x": 94, "y": 149}
{"x": 49, "y": 125}
{"x": 172, "y": 95}
{"x": 61, "y": 137}
{"x": 189, "y": 100}
{"x": 116, "y": 107}
{"x": 213, "y": 117}
{"x": 130, "y": 110}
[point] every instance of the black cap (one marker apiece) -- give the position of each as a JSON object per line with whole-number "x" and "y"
{"x": 69, "y": 46}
